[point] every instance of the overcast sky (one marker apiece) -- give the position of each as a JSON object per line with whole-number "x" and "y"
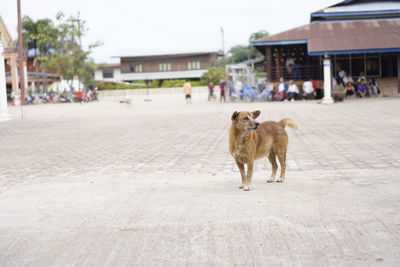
{"x": 161, "y": 26}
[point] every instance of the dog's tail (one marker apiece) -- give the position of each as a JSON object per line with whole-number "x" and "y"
{"x": 289, "y": 122}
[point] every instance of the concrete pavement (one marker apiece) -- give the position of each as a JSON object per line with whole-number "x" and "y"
{"x": 152, "y": 184}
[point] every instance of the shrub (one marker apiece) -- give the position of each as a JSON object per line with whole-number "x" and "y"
{"x": 214, "y": 75}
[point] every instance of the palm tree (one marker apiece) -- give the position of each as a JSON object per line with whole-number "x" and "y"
{"x": 40, "y": 35}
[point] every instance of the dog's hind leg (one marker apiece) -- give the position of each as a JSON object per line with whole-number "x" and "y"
{"x": 272, "y": 159}
{"x": 242, "y": 173}
{"x": 282, "y": 161}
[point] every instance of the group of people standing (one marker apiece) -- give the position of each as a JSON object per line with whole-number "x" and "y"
{"x": 187, "y": 90}
{"x": 222, "y": 87}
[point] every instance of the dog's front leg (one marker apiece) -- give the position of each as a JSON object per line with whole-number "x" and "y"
{"x": 242, "y": 173}
{"x": 250, "y": 167}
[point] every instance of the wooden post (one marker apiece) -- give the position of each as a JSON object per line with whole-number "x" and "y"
{"x": 268, "y": 63}
{"x": 278, "y": 65}
{"x": 21, "y": 57}
{"x": 398, "y": 73}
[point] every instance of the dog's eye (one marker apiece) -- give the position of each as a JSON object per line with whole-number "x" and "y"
{"x": 246, "y": 119}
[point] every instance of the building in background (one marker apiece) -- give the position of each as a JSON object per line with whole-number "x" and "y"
{"x": 359, "y": 36}
{"x": 167, "y": 66}
{"x": 110, "y": 73}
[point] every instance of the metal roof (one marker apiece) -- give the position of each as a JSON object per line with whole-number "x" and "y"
{"x": 360, "y": 35}
{"x": 296, "y": 35}
{"x": 169, "y": 54}
{"x": 327, "y": 37}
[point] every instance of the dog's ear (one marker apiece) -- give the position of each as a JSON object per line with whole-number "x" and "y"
{"x": 235, "y": 115}
{"x": 256, "y": 114}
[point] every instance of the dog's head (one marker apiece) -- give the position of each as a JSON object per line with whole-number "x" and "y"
{"x": 245, "y": 121}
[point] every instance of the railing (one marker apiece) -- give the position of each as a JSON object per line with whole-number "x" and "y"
{"x": 297, "y": 73}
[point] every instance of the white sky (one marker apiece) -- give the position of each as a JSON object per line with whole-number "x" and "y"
{"x": 161, "y": 26}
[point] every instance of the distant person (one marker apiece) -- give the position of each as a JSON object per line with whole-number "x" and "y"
{"x": 293, "y": 91}
{"x": 187, "y": 90}
{"x": 341, "y": 74}
{"x": 373, "y": 87}
{"x": 361, "y": 77}
{"x": 348, "y": 79}
{"x": 222, "y": 88}
{"x": 280, "y": 95}
{"x": 229, "y": 84}
{"x": 13, "y": 98}
{"x": 289, "y": 65}
{"x": 308, "y": 90}
{"x": 350, "y": 90}
{"x": 211, "y": 91}
{"x": 238, "y": 86}
{"x": 362, "y": 89}
{"x": 96, "y": 94}
{"x": 79, "y": 96}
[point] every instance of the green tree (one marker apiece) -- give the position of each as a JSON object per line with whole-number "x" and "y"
{"x": 214, "y": 75}
{"x": 41, "y": 36}
{"x": 58, "y": 47}
{"x": 240, "y": 53}
{"x": 71, "y": 59}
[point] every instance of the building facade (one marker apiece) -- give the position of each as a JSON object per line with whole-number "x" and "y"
{"x": 167, "y": 66}
{"x": 110, "y": 73}
{"x": 361, "y": 37}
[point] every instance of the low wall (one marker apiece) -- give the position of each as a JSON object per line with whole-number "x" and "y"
{"x": 388, "y": 86}
{"x": 151, "y": 91}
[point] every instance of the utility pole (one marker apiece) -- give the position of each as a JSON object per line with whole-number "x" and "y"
{"x": 21, "y": 59}
{"x": 223, "y": 51}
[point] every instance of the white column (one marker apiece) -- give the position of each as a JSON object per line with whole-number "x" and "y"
{"x": 4, "y": 116}
{"x": 26, "y": 77}
{"x": 327, "y": 82}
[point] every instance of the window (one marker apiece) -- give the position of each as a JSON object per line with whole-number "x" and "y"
{"x": 194, "y": 65}
{"x": 342, "y": 63}
{"x": 108, "y": 73}
{"x": 357, "y": 65}
{"x": 136, "y": 66}
{"x": 165, "y": 66}
{"x": 373, "y": 65}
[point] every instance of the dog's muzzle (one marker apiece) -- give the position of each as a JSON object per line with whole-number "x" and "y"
{"x": 254, "y": 126}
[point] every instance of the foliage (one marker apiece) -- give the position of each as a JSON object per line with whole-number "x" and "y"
{"x": 261, "y": 75}
{"x": 41, "y": 36}
{"x": 60, "y": 47}
{"x": 240, "y": 53}
{"x": 214, "y": 75}
{"x": 142, "y": 85}
{"x": 72, "y": 60}
{"x": 257, "y": 35}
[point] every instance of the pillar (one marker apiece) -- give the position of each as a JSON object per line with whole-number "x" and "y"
{"x": 26, "y": 75}
{"x": 327, "y": 81}
{"x": 14, "y": 72}
{"x": 268, "y": 63}
{"x": 398, "y": 73}
{"x": 4, "y": 116}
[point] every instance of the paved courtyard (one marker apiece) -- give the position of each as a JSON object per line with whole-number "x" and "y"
{"x": 152, "y": 184}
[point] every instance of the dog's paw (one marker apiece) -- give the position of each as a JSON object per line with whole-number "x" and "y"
{"x": 246, "y": 188}
{"x": 271, "y": 180}
{"x": 241, "y": 186}
{"x": 280, "y": 180}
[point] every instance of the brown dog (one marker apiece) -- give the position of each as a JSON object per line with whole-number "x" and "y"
{"x": 250, "y": 140}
